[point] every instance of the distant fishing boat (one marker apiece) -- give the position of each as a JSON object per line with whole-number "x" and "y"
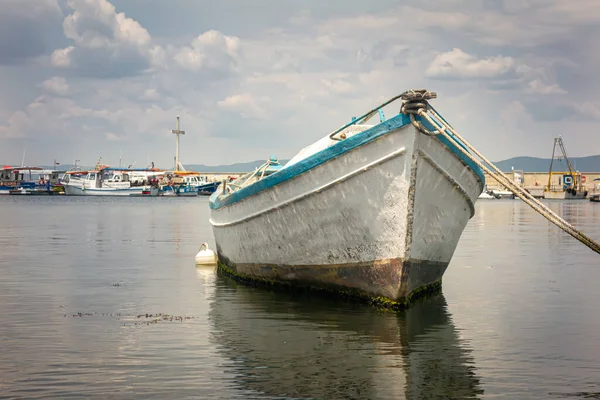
{"x": 595, "y": 197}
{"x": 503, "y": 193}
{"x": 496, "y": 194}
{"x": 488, "y": 195}
{"x": 186, "y": 182}
{"x": 175, "y": 185}
{"x": 207, "y": 188}
{"x": 19, "y": 179}
{"x": 370, "y": 211}
{"x": 104, "y": 181}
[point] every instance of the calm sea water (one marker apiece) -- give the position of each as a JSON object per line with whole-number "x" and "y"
{"x": 100, "y": 298}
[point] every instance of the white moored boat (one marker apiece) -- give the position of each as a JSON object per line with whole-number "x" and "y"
{"x": 103, "y": 181}
{"x": 371, "y": 211}
{"x": 595, "y": 196}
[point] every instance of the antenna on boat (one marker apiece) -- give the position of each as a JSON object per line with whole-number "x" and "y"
{"x": 23, "y": 159}
{"x": 177, "y": 132}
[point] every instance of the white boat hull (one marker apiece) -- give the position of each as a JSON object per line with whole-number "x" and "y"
{"x": 486, "y": 196}
{"x": 382, "y": 219}
{"x": 504, "y": 194}
{"x": 564, "y": 195}
{"x": 72, "y": 190}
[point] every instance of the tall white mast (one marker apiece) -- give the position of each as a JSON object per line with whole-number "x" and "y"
{"x": 177, "y": 132}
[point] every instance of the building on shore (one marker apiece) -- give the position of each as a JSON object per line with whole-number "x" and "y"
{"x": 536, "y": 182}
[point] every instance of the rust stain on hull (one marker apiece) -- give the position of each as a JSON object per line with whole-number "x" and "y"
{"x": 393, "y": 281}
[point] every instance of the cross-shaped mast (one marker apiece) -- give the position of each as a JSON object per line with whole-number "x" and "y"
{"x": 177, "y": 131}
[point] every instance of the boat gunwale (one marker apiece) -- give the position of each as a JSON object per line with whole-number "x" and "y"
{"x": 314, "y": 160}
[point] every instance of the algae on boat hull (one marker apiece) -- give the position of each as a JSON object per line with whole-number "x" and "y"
{"x": 353, "y": 294}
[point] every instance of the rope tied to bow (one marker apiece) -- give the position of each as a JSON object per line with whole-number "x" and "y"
{"x": 415, "y": 103}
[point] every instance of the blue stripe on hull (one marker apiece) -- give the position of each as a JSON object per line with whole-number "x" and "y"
{"x": 333, "y": 151}
{"x": 208, "y": 188}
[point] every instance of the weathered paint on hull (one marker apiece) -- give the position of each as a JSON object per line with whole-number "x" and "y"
{"x": 376, "y": 282}
{"x": 388, "y": 231}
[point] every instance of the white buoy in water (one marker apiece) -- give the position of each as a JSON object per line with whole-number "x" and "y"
{"x": 206, "y": 256}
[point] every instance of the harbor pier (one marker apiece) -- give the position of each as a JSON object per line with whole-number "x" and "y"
{"x": 536, "y": 182}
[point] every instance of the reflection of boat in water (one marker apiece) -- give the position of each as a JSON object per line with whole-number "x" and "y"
{"x": 282, "y": 346}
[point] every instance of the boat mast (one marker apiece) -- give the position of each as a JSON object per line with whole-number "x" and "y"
{"x": 177, "y": 132}
{"x": 564, "y": 153}
{"x": 551, "y": 162}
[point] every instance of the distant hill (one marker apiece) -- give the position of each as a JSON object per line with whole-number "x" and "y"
{"x": 527, "y": 164}
{"x": 532, "y": 164}
{"x": 62, "y": 167}
{"x": 238, "y": 167}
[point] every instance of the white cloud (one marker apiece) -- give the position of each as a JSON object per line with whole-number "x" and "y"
{"x": 62, "y": 57}
{"x": 151, "y": 94}
{"x": 588, "y": 109}
{"x": 129, "y": 31}
{"x": 115, "y": 138}
{"x": 56, "y": 85}
{"x": 456, "y": 64}
{"x": 245, "y": 105}
{"x": 341, "y": 86}
{"x": 211, "y": 49}
{"x": 536, "y": 86}
{"x": 109, "y": 44}
{"x": 515, "y": 114}
{"x": 39, "y": 116}
{"x": 96, "y": 24}
{"x": 105, "y": 43}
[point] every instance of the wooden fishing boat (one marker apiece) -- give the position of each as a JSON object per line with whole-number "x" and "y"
{"x": 106, "y": 181}
{"x": 371, "y": 211}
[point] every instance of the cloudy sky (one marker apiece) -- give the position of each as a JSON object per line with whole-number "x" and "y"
{"x": 82, "y": 79}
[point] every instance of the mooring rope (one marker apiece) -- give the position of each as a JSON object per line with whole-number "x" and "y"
{"x": 415, "y": 102}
